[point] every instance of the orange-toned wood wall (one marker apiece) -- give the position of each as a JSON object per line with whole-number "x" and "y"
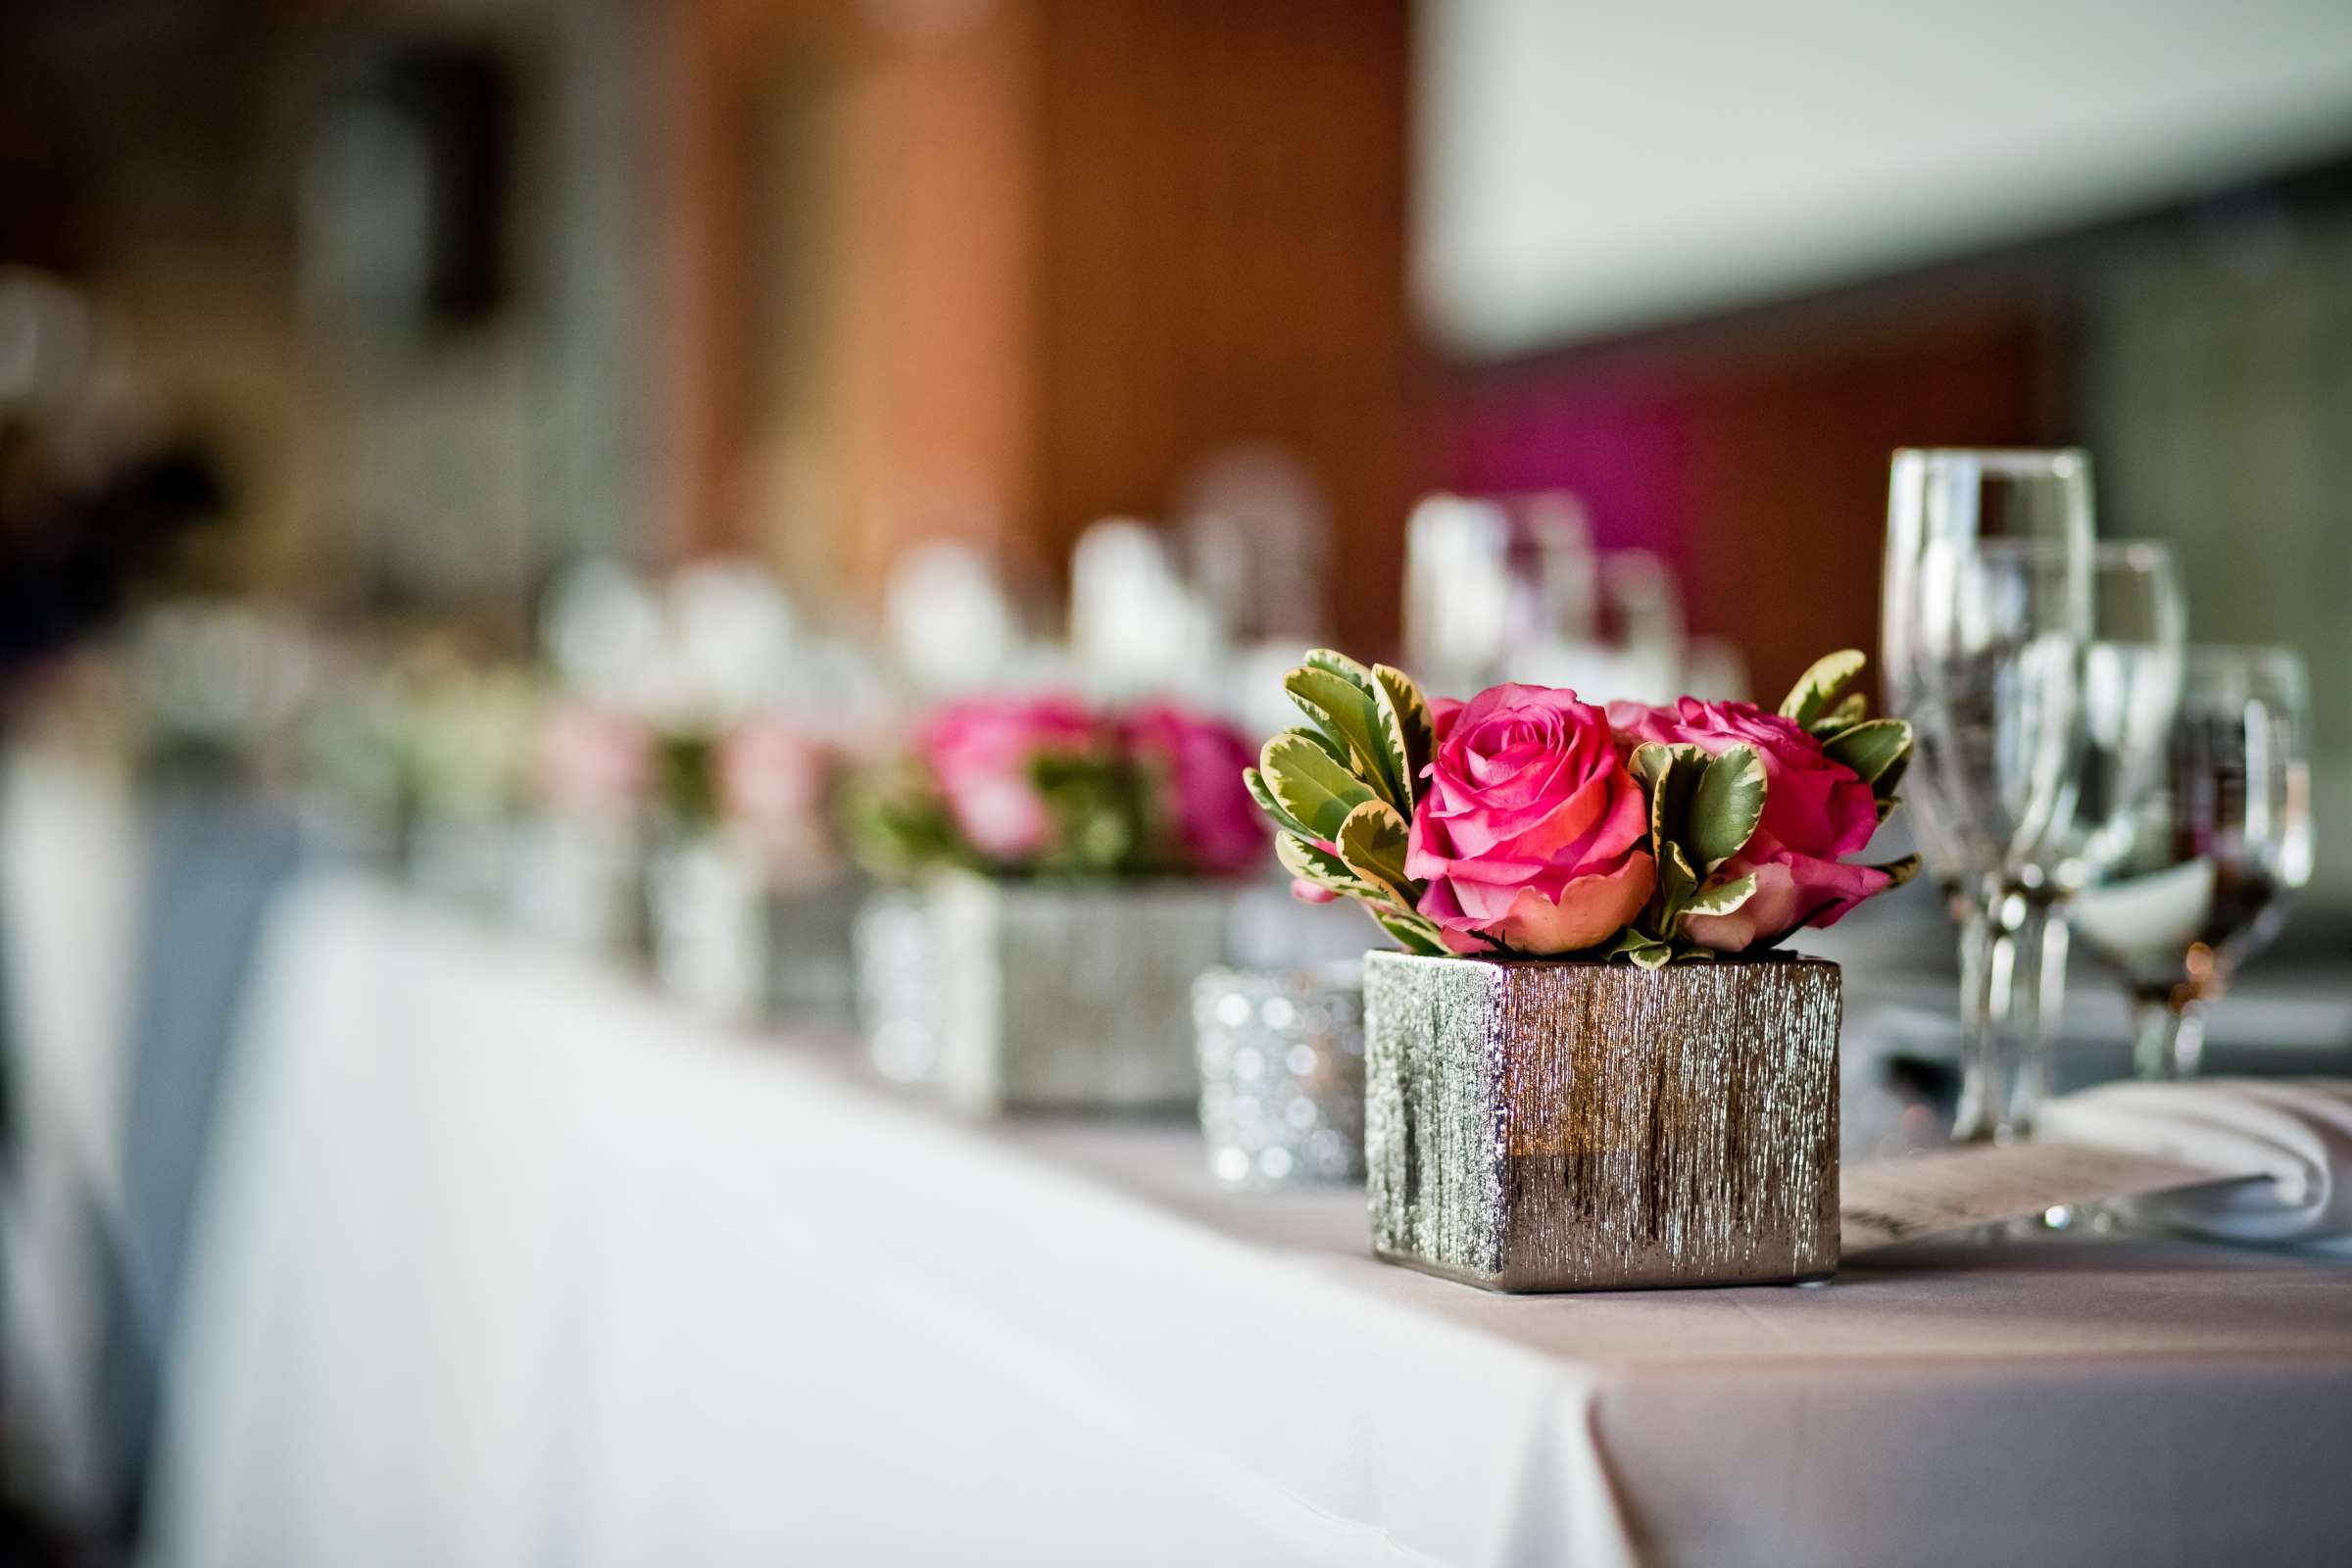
{"x": 1067, "y": 247}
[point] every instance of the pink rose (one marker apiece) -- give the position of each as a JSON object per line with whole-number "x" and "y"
{"x": 1526, "y": 824}
{"x": 1197, "y": 764}
{"x": 594, "y": 759}
{"x": 771, "y": 781}
{"x": 1815, "y": 809}
{"x": 982, "y": 753}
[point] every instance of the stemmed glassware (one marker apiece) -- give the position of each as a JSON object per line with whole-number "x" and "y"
{"x": 2126, "y": 690}
{"x": 2212, "y": 854}
{"x": 2047, "y": 743}
{"x": 1983, "y": 651}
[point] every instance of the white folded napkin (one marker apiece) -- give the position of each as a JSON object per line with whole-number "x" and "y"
{"x": 2296, "y": 1130}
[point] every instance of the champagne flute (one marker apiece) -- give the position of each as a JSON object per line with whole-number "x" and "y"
{"x": 1997, "y": 688}
{"x": 2214, "y": 851}
{"x": 1940, "y": 503}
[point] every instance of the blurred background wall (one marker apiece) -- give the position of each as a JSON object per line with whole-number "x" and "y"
{"x": 460, "y": 291}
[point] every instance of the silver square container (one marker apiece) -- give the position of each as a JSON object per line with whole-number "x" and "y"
{"x": 579, "y": 881}
{"x": 1281, "y": 1074}
{"x": 1042, "y": 995}
{"x": 731, "y": 944}
{"x": 1535, "y": 1126}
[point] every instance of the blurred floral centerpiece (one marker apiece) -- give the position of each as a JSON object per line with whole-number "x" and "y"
{"x": 1592, "y": 1065}
{"x": 710, "y": 844}
{"x": 1064, "y": 875}
{"x": 752, "y": 899}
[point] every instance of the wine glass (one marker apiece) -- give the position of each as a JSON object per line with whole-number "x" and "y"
{"x": 2127, "y": 693}
{"x": 1940, "y": 505}
{"x": 2213, "y": 854}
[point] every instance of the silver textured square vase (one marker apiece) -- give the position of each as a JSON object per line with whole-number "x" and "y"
{"x": 1069, "y": 996}
{"x": 1281, "y": 1074}
{"x": 730, "y": 942}
{"x": 1534, "y": 1126}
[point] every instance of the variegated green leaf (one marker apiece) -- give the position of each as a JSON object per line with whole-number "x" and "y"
{"x": 1669, "y": 774}
{"x": 1412, "y": 718}
{"x": 1818, "y": 689}
{"x": 1642, "y": 949}
{"x": 1852, "y": 711}
{"x": 1372, "y": 842}
{"x": 1892, "y": 776}
{"x": 1340, "y": 664}
{"x": 1396, "y": 750}
{"x": 1723, "y": 897}
{"x": 1413, "y": 933}
{"x": 1330, "y": 747}
{"x": 1350, "y": 715}
{"x": 1255, "y": 782}
{"x": 1899, "y": 871}
{"x": 1325, "y": 871}
{"x": 1725, "y": 807}
{"x": 1307, "y": 783}
{"x": 1871, "y": 749}
{"x": 1677, "y": 884}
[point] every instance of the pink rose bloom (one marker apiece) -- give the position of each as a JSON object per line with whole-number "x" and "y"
{"x": 1196, "y": 762}
{"x": 1815, "y": 809}
{"x": 981, "y": 754}
{"x": 594, "y": 759}
{"x": 772, "y": 777}
{"x": 1526, "y": 824}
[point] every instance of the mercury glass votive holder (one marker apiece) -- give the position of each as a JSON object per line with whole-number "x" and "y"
{"x": 1034, "y": 995}
{"x": 1567, "y": 1126}
{"x": 900, "y": 988}
{"x": 1281, "y": 1074}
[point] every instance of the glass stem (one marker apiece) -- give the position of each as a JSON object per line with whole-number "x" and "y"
{"x": 2168, "y": 1038}
{"x": 2013, "y": 983}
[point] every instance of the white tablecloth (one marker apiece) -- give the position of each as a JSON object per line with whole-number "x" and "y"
{"x": 504, "y": 1261}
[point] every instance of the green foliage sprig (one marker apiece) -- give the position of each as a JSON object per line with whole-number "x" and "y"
{"x": 1106, "y": 821}
{"x": 1704, "y": 808}
{"x": 1342, "y": 787}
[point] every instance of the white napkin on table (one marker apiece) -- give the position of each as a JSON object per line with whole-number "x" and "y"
{"x": 2296, "y": 1130}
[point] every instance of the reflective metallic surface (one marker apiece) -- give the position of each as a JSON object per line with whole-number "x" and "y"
{"x": 1052, "y": 996}
{"x": 1537, "y": 1126}
{"x": 1281, "y": 1074}
{"x": 729, "y": 943}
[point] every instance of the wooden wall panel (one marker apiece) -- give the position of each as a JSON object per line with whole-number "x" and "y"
{"x": 1222, "y": 259}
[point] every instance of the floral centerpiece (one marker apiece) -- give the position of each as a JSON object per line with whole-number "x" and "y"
{"x": 1526, "y": 823}
{"x": 708, "y": 844}
{"x": 1066, "y": 873}
{"x": 1047, "y": 786}
{"x": 1594, "y": 1063}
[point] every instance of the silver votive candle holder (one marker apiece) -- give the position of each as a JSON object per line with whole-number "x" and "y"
{"x": 1281, "y": 1074}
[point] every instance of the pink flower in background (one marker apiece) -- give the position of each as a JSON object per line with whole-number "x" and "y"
{"x": 772, "y": 780}
{"x": 1527, "y": 825}
{"x": 1815, "y": 809}
{"x": 1197, "y": 764}
{"x": 594, "y": 759}
{"x": 981, "y": 753}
